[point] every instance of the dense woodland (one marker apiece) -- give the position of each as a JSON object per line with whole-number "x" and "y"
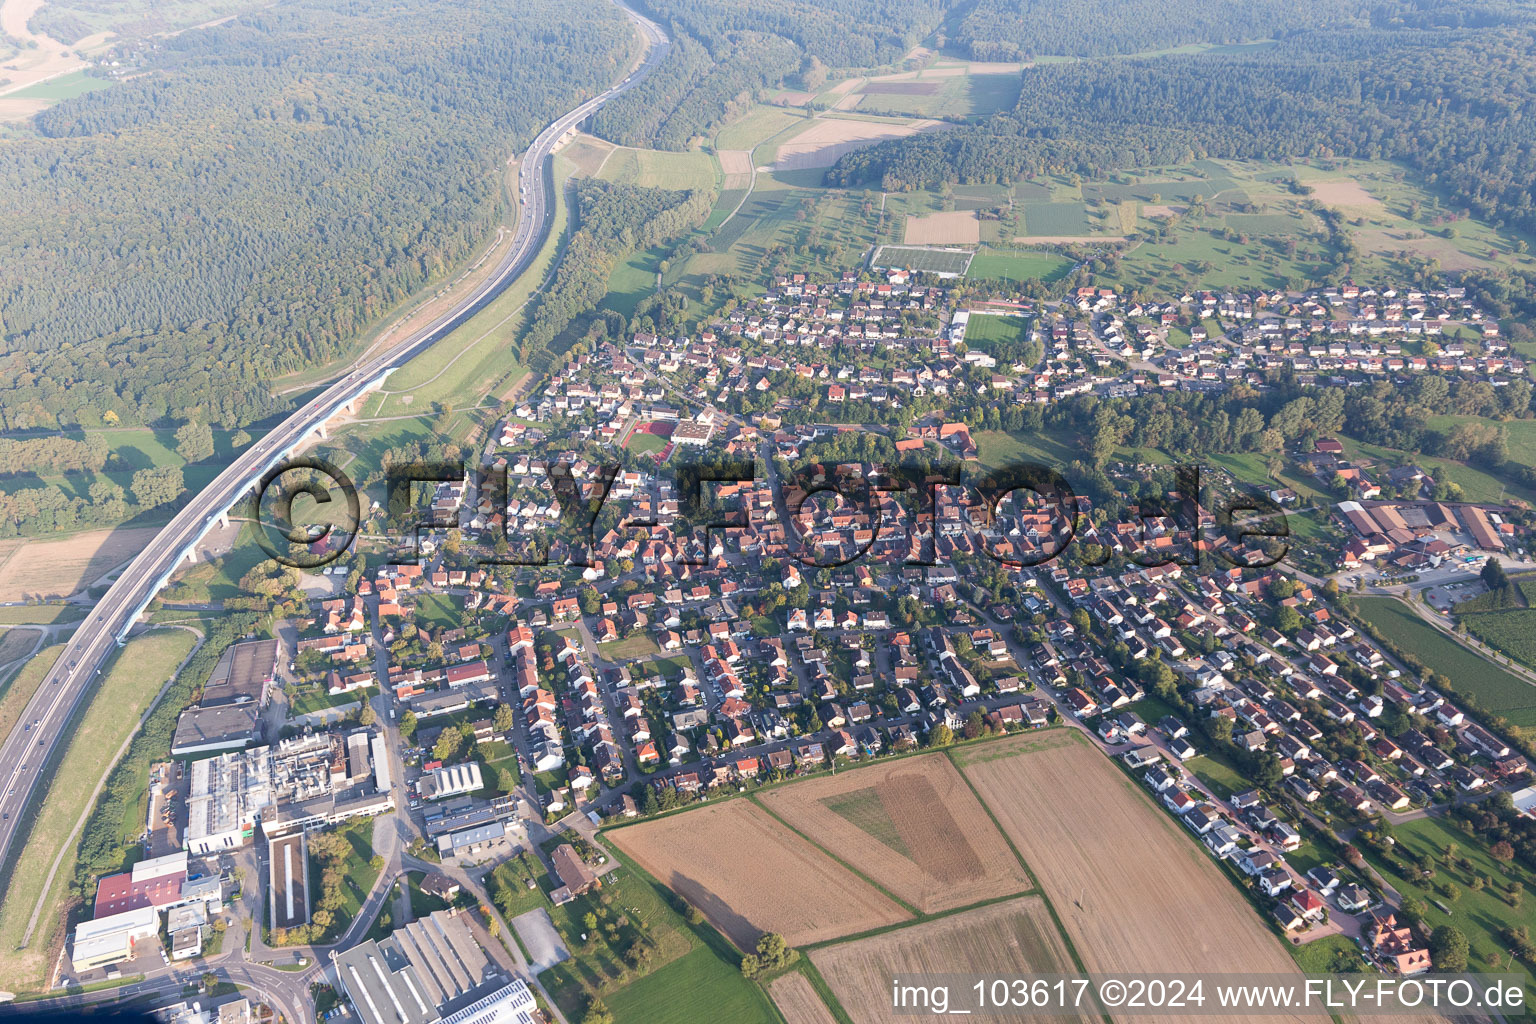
{"x": 1022, "y": 29}
{"x": 1454, "y": 103}
{"x": 726, "y": 51}
{"x": 695, "y": 88}
{"x": 271, "y": 188}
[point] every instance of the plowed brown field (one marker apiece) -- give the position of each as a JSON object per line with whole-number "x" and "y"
{"x": 1134, "y": 892}
{"x": 797, "y": 1000}
{"x": 913, "y": 826}
{"x": 749, "y": 875}
{"x": 1003, "y": 940}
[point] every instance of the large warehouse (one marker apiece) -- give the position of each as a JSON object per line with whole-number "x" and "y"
{"x": 429, "y": 971}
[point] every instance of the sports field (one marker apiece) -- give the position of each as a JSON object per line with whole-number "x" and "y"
{"x": 937, "y": 261}
{"x": 984, "y": 330}
{"x": 1018, "y": 265}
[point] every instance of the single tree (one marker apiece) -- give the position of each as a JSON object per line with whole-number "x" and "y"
{"x": 1448, "y": 949}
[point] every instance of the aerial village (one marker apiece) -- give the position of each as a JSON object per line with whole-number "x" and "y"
{"x": 650, "y": 662}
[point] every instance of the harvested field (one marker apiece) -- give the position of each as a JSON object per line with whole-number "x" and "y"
{"x": 737, "y": 167}
{"x": 1065, "y": 239}
{"x": 16, "y": 643}
{"x": 797, "y": 1000}
{"x": 1003, "y": 940}
{"x": 19, "y": 108}
{"x": 1342, "y": 193}
{"x": 58, "y": 568}
{"x": 902, "y": 88}
{"x": 750, "y": 875}
{"x": 827, "y": 139}
{"x": 1157, "y": 210}
{"x": 588, "y": 153}
{"x": 913, "y": 825}
{"x": 735, "y": 161}
{"x": 957, "y": 227}
{"x": 1135, "y": 893}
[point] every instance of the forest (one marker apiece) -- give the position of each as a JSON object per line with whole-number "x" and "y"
{"x": 1012, "y": 30}
{"x": 264, "y": 195}
{"x": 695, "y": 89}
{"x": 1453, "y": 103}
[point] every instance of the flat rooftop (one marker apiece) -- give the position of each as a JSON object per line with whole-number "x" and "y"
{"x": 225, "y": 727}
{"x": 242, "y": 674}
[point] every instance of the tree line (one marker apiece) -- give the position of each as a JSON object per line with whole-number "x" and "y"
{"x": 726, "y": 52}
{"x": 53, "y": 454}
{"x": 1451, "y": 102}
{"x": 1011, "y": 30}
{"x": 612, "y": 219}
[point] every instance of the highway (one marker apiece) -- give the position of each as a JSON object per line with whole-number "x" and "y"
{"x": 99, "y": 635}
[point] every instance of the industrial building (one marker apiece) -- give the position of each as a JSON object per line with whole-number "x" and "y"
{"x": 110, "y": 940}
{"x": 150, "y": 883}
{"x": 228, "y": 715}
{"x": 243, "y": 675}
{"x": 129, "y": 904}
{"x": 210, "y": 730}
{"x": 450, "y": 780}
{"x": 430, "y": 971}
{"x": 301, "y": 783}
{"x": 475, "y": 839}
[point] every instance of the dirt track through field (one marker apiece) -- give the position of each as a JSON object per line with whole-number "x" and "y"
{"x": 1065, "y": 239}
